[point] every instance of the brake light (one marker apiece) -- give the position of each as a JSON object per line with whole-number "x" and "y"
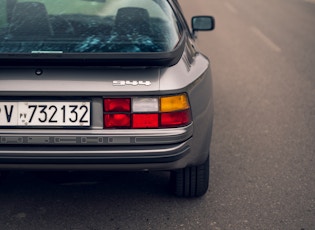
{"x": 117, "y": 120}
{"x": 145, "y": 121}
{"x": 117, "y": 105}
{"x": 175, "y": 119}
{"x": 147, "y": 112}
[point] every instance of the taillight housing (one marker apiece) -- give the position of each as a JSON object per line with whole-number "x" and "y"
{"x": 147, "y": 112}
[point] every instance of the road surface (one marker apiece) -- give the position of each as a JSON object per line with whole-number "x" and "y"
{"x": 263, "y": 148}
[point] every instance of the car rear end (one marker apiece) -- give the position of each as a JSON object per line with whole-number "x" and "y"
{"x": 86, "y": 118}
{"x": 119, "y": 109}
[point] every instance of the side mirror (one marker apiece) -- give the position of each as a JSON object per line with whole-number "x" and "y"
{"x": 202, "y": 23}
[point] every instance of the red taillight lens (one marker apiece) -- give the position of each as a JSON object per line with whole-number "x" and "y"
{"x": 117, "y": 120}
{"x": 147, "y": 112}
{"x": 117, "y": 105}
{"x": 142, "y": 121}
{"x": 175, "y": 119}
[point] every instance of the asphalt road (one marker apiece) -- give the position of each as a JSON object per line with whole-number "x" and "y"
{"x": 262, "y": 152}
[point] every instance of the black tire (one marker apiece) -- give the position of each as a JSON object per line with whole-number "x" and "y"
{"x": 191, "y": 181}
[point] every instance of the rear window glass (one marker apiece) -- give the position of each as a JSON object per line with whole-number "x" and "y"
{"x": 87, "y": 26}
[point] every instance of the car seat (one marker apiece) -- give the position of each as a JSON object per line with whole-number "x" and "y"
{"x": 30, "y": 19}
{"x": 132, "y": 21}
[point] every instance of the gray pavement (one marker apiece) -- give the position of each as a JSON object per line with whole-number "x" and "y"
{"x": 263, "y": 148}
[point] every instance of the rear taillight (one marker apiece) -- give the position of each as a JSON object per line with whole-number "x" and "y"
{"x": 147, "y": 112}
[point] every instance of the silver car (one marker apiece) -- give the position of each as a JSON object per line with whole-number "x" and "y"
{"x": 105, "y": 85}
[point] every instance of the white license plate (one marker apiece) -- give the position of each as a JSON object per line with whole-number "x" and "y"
{"x": 52, "y": 113}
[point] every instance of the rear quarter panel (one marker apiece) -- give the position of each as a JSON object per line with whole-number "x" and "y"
{"x": 195, "y": 79}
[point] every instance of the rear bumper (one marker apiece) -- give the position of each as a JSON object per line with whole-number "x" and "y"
{"x": 92, "y": 137}
{"x": 92, "y": 155}
{"x": 154, "y": 150}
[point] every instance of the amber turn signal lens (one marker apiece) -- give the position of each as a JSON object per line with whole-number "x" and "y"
{"x": 174, "y": 103}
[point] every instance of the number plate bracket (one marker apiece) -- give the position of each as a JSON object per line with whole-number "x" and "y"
{"x": 45, "y": 114}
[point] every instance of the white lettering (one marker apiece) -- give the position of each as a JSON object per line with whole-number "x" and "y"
{"x": 132, "y": 83}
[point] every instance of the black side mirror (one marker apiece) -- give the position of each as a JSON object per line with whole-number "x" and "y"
{"x": 202, "y": 23}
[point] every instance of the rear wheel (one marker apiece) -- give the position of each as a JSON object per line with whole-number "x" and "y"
{"x": 191, "y": 181}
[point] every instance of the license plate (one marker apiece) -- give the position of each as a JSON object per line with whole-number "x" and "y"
{"x": 52, "y": 113}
